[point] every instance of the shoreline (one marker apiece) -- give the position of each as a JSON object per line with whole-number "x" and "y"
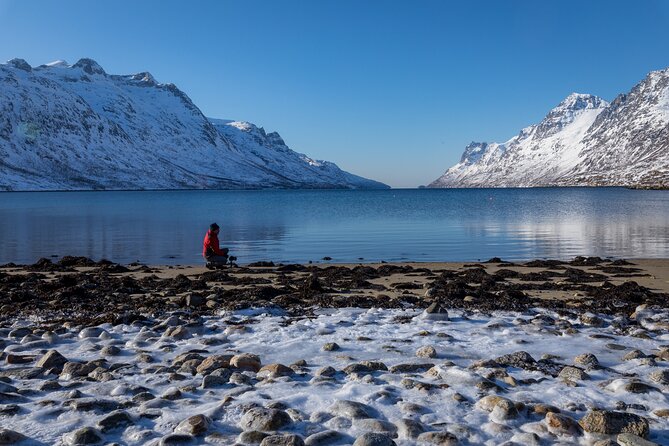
{"x": 425, "y": 353}
{"x": 89, "y": 291}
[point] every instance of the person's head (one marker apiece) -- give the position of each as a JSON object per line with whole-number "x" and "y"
{"x": 214, "y": 228}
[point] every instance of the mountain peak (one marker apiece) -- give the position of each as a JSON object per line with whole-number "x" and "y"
{"x": 21, "y": 64}
{"x": 57, "y": 64}
{"x": 89, "y": 66}
{"x": 580, "y": 101}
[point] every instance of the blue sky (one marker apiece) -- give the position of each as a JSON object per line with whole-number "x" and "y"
{"x": 388, "y": 90}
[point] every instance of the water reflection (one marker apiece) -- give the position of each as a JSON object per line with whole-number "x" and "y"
{"x": 395, "y": 225}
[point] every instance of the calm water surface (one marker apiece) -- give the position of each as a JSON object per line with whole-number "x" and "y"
{"x": 349, "y": 226}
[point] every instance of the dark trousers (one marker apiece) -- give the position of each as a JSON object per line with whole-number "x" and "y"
{"x": 218, "y": 259}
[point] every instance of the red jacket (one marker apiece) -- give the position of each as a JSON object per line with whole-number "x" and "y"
{"x": 210, "y": 245}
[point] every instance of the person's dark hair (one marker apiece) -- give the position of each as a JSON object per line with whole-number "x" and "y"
{"x": 213, "y": 227}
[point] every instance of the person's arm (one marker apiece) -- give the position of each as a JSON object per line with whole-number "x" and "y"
{"x": 217, "y": 250}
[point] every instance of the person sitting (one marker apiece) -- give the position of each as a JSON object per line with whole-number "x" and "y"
{"x": 213, "y": 254}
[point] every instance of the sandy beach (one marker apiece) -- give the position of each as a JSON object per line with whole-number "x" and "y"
{"x": 534, "y": 353}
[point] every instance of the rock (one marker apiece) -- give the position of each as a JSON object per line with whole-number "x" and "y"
{"x": 435, "y": 312}
{"x": 9, "y": 409}
{"x": 560, "y": 424}
{"x": 324, "y": 438}
{"x": 275, "y": 370}
{"x": 587, "y": 360}
{"x": 261, "y": 419}
{"x": 573, "y": 374}
{"x": 426, "y": 351}
{"x": 8, "y": 436}
{"x": 364, "y": 367}
{"x": 411, "y": 368}
{"x": 325, "y": 371}
{"x": 113, "y": 420}
{"x": 85, "y": 435}
{"x": 91, "y": 332}
{"x": 218, "y": 377}
{"x": 19, "y": 359}
{"x": 373, "y": 439}
{"x": 638, "y": 387}
{"x": 282, "y": 440}
{"x": 660, "y": 376}
{"x": 610, "y": 422}
{"x": 178, "y": 332}
{"x": 409, "y": 429}
{"x": 251, "y": 437}
{"x": 374, "y": 425}
{"x": 93, "y": 404}
{"x": 194, "y": 300}
{"x": 488, "y": 403}
{"x": 195, "y": 425}
{"x": 331, "y": 347}
{"x": 172, "y": 393}
{"x": 246, "y": 361}
{"x": 52, "y": 360}
{"x": 76, "y": 370}
{"x": 438, "y": 438}
{"x": 526, "y": 439}
{"x": 213, "y": 362}
{"x": 176, "y": 439}
{"x": 633, "y": 440}
{"x": 351, "y": 409}
{"x": 591, "y": 320}
{"x": 634, "y": 354}
{"x": 662, "y": 413}
{"x": 110, "y": 350}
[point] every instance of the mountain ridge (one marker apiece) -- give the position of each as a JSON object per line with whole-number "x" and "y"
{"x": 583, "y": 141}
{"x": 76, "y": 127}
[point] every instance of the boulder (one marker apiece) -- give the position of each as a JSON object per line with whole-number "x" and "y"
{"x": 85, "y": 435}
{"x": 52, "y": 360}
{"x": 258, "y": 418}
{"x": 246, "y": 361}
{"x": 351, "y": 409}
{"x": 373, "y": 439}
{"x": 282, "y": 440}
{"x": 610, "y": 422}
{"x": 195, "y": 425}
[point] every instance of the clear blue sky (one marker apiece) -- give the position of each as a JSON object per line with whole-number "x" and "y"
{"x": 389, "y": 90}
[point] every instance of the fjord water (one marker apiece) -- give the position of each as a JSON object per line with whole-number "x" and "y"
{"x": 167, "y": 227}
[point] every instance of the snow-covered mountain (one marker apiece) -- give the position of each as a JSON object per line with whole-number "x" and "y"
{"x": 584, "y": 141}
{"x": 76, "y": 128}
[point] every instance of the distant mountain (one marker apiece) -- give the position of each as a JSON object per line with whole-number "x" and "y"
{"x": 584, "y": 141}
{"x": 78, "y": 128}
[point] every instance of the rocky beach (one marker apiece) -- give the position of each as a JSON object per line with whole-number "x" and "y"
{"x": 533, "y": 353}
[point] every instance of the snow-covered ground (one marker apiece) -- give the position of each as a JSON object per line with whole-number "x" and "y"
{"x": 446, "y": 401}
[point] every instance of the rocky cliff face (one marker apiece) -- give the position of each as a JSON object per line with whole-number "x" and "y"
{"x": 584, "y": 141}
{"x": 76, "y": 128}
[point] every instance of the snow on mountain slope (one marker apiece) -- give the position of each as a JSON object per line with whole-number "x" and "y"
{"x": 76, "y": 128}
{"x": 583, "y": 141}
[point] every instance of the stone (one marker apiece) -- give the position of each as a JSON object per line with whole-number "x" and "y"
{"x": 110, "y": 350}
{"x": 374, "y": 439}
{"x": 634, "y": 354}
{"x": 194, "y": 300}
{"x": 660, "y": 376}
{"x": 351, "y": 409}
{"x": 172, "y": 393}
{"x": 325, "y": 371}
{"x": 374, "y": 425}
{"x": 176, "y": 439}
{"x": 520, "y": 360}
{"x": 426, "y": 351}
{"x": 633, "y": 440}
{"x": 325, "y": 438}
{"x": 251, "y": 437}
{"x": 662, "y": 413}
{"x": 93, "y": 405}
{"x": 331, "y": 347}
{"x": 213, "y": 362}
{"x": 411, "y": 368}
{"x": 435, "y": 312}
{"x": 246, "y": 361}
{"x": 258, "y": 418}
{"x": 217, "y": 378}
{"x": 610, "y": 422}
{"x": 76, "y": 370}
{"x": 195, "y": 425}
{"x": 12, "y": 358}
{"x": 573, "y": 374}
{"x": 409, "y": 429}
{"x": 114, "y": 420}
{"x": 8, "y": 436}
{"x": 591, "y": 320}
{"x": 560, "y": 424}
{"x": 438, "y": 438}
{"x": 587, "y": 360}
{"x": 282, "y": 440}
{"x": 85, "y": 435}
{"x": 91, "y": 332}
{"x": 364, "y": 367}
{"x": 178, "y": 332}
{"x": 52, "y": 360}
{"x": 488, "y": 403}
{"x": 275, "y": 370}
{"x": 638, "y": 387}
